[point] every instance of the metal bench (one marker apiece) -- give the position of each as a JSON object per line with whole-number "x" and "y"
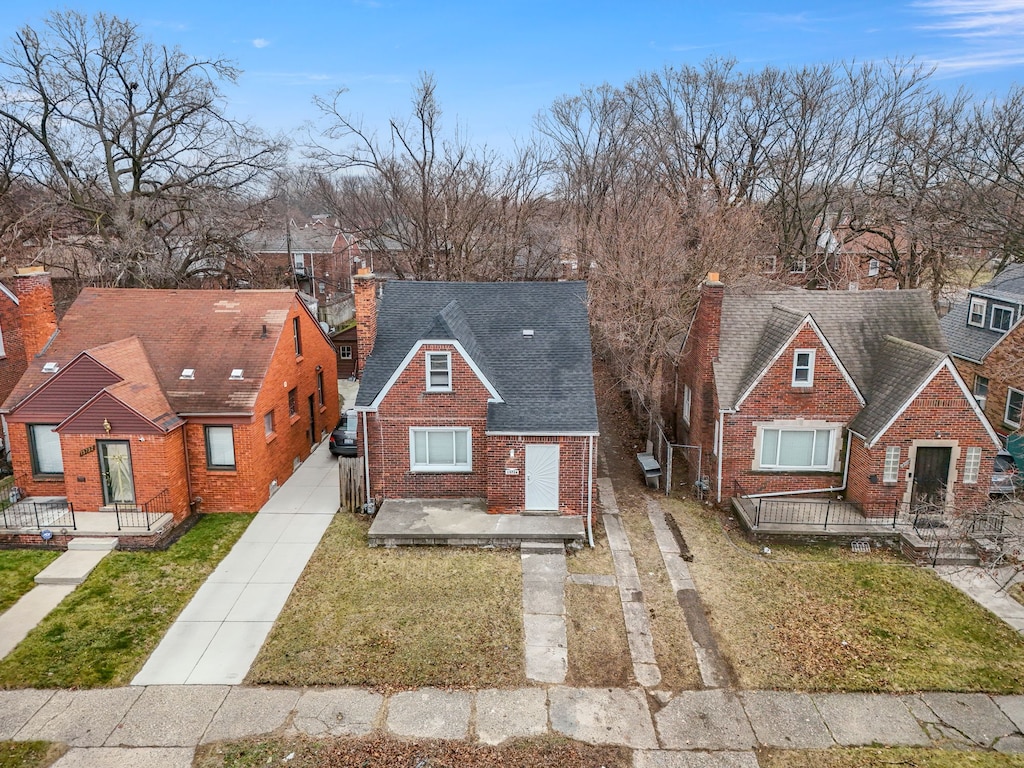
{"x": 651, "y": 469}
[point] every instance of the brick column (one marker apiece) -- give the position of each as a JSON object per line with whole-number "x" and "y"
{"x": 35, "y": 305}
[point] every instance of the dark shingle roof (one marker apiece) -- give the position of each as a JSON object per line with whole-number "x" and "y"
{"x": 866, "y": 330}
{"x": 546, "y": 382}
{"x": 969, "y": 341}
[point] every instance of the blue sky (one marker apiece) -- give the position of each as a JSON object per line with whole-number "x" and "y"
{"x": 498, "y": 63}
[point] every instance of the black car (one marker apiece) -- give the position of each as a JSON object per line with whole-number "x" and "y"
{"x": 343, "y": 438}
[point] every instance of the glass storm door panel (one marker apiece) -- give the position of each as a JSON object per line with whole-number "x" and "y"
{"x": 116, "y": 469}
{"x": 542, "y": 476}
{"x": 931, "y": 473}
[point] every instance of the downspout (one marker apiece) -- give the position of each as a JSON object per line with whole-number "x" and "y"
{"x": 834, "y": 488}
{"x": 366, "y": 458}
{"x": 718, "y": 452}
{"x": 188, "y": 466}
{"x": 590, "y": 493}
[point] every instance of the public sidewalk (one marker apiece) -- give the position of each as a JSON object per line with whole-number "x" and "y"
{"x": 162, "y": 725}
{"x": 217, "y": 636}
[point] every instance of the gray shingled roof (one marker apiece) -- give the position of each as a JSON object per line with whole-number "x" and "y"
{"x": 971, "y": 342}
{"x": 863, "y": 328}
{"x": 546, "y": 382}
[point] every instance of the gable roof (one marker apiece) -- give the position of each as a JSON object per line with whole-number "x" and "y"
{"x": 970, "y": 341}
{"x": 210, "y": 331}
{"x": 545, "y": 383}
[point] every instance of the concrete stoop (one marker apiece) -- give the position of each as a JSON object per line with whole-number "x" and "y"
{"x": 94, "y": 543}
{"x": 543, "y": 547}
{"x": 938, "y": 551}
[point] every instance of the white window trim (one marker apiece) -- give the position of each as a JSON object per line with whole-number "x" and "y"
{"x": 992, "y": 319}
{"x": 972, "y": 465}
{"x": 810, "y": 367}
{"x": 426, "y": 361}
{"x": 891, "y": 468}
{"x": 53, "y": 444}
{"x": 3, "y": 350}
{"x": 440, "y": 468}
{"x": 1006, "y": 411}
{"x": 687, "y": 402}
{"x": 798, "y": 425}
{"x": 983, "y": 305}
{"x": 798, "y": 266}
{"x": 873, "y": 267}
{"x": 974, "y": 390}
{"x": 345, "y": 352}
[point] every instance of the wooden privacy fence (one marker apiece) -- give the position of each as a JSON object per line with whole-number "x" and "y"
{"x": 350, "y": 482}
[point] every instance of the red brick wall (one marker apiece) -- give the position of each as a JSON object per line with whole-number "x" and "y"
{"x": 830, "y": 399}
{"x": 940, "y": 416}
{"x": 507, "y": 493}
{"x": 35, "y": 305}
{"x": 1002, "y": 367}
{"x": 14, "y": 362}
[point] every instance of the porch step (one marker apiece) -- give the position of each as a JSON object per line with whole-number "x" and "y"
{"x": 540, "y": 513}
{"x": 72, "y": 567}
{"x": 94, "y": 543}
{"x": 542, "y": 547}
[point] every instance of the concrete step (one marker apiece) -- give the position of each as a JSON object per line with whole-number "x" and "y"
{"x": 93, "y": 543}
{"x": 72, "y": 567}
{"x": 543, "y": 547}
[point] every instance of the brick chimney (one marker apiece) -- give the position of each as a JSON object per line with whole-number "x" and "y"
{"x": 364, "y": 287}
{"x": 708, "y": 323}
{"x": 35, "y": 305}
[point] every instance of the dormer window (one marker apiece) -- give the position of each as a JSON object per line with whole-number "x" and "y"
{"x": 1002, "y": 318}
{"x": 873, "y": 265}
{"x": 439, "y": 371}
{"x": 188, "y": 373}
{"x": 236, "y": 374}
{"x": 803, "y": 368}
{"x": 976, "y": 314}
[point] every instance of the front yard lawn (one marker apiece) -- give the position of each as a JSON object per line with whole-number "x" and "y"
{"x": 103, "y": 632}
{"x": 18, "y": 568}
{"x": 398, "y": 618}
{"x": 823, "y": 619}
{"x": 29, "y": 754}
{"x": 886, "y": 757}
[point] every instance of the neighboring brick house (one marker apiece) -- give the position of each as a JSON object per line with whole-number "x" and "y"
{"x": 174, "y": 398}
{"x": 817, "y": 392}
{"x": 986, "y": 339}
{"x": 842, "y": 261}
{"x": 27, "y": 323}
{"x": 478, "y": 390}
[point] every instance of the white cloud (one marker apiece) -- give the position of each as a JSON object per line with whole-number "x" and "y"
{"x": 260, "y": 42}
{"x": 975, "y": 18}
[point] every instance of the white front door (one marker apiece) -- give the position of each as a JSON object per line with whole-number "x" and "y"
{"x": 542, "y": 476}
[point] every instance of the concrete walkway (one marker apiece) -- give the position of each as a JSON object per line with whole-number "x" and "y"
{"x": 986, "y": 589}
{"x": 544, "y": 633}
{"x": 162, "y": 725}
{"x": 216, "y": 638}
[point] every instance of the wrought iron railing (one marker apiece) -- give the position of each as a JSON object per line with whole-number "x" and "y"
{"x": 143, "y": 515}
{"x": 20, "y": 512}
{"x": 821, "y": 513}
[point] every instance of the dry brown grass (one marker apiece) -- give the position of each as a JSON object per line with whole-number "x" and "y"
{"x": 398, "y": 618}
{"x": 598, "y": 650}
{"x": 886, "y": 757}
{"x": 594, "y": 561}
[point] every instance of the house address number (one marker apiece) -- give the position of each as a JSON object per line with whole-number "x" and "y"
{"x": 89, "y": 449}
{"x": 511, "y": 470}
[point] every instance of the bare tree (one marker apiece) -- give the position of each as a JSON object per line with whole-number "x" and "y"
{"x": 133, "y": 141}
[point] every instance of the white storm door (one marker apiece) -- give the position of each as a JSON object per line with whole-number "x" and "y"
{"x": 542, "y": 476}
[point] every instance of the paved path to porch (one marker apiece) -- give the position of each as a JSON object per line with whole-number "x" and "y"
{"x": 986, "y": 588}
{"x": 216, "y": 638}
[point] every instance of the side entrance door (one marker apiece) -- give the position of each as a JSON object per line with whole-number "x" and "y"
{"x": 116, "y": 471}
{"x": 542, "y": 477}
{"x": 931, "y": 473}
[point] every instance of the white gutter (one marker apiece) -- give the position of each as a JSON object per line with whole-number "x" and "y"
{"x": 832, "y": 489}
{"x": 366, "y": 459}
{"x": 590, "y": 494}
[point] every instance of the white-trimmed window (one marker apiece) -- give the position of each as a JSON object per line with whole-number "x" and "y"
{"x": 1002, "y": 318}
{"x": 440, "y": 449}
{"x": 798, "y": 265}
{"x": 220, "y": 447}
{"x": 803, "y": 368}
{"x": 1014, "y": 407}
{"x": 439, "y": 371}
{"x": 45, "y": 448}
{"x": 891, "y": 470}
{"x": 873, "y": 266}
{"x": 345, "y": 351}
{"x": 976, "y": 313}
{"x": 797, "y": 449}
{"x": 687, "y": 399}
{"x": 981, "y": 390}
{"x": 972, "y": 463}
{"x": 3, "y": 351}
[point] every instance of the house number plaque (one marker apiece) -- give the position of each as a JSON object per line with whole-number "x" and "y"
{"x": 84, "y": 451}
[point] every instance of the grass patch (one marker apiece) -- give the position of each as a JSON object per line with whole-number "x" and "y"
{"x": 596, "y": 560}
{"x": 886, "y": 757}
{"x": 30, "y": 754}
{"x": 398, "y": 618}
{"x": 832, "y": 622}
{"x": 102, "y": 633}
{"x": 381, "y": 751}
{"x": 597, "y": 645}
{"x": 18, "y": 568}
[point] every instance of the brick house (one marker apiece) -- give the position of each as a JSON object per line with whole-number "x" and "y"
{"x": 986, "y": 339}
{"x": 177, "y": 399}
{"x": 346, "y": 342}
{"x": 816, "y": 393}
{"x": 478, "y": 390}
{"x": 27, "y": 323}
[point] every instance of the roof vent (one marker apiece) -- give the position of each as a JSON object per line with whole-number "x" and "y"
{"x": 51, "y": 367}
{"x": 236, "y": 374}
{"x": 188, "y": 373}
{"x": 527, "y": 333}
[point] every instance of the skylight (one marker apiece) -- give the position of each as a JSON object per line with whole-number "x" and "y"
{"x": 188, "y": 373}
{"x": 51, "y": 367}
{"x": 236, "y": 374}
{"x": 527, "y": 333}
